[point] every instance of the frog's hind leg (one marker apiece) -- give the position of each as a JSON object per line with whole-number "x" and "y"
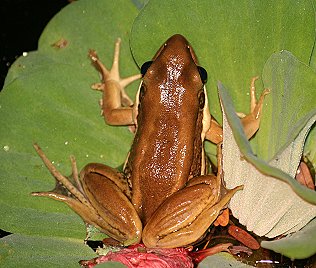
{"x": 184, "y": 217}
{"x": 100, "y": 199}
{"x": 109, "y": 194}
{"x": 187, "y": 214}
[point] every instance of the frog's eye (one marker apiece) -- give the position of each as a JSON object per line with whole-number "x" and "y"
{"x": 203, "y": 74}
{"x": 145, "y": 67}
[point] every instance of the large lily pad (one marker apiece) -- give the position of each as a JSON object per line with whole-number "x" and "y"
{"x": 232, "y": 39}
{"x": 32, "y": 251}
{"x": 47, "y": 99}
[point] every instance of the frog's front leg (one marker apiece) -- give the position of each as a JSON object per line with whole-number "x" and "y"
{"x": 250, "y": 122}
{"x": 116, "y": 105}
{"x": 100, "y": 199}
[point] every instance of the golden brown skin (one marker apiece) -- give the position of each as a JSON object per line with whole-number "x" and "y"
{"x": 166, "y": 150}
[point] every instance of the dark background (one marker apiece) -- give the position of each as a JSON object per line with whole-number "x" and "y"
{"x": 22, "y": 22}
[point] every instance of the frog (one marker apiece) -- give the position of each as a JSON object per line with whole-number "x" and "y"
{"x": 165, "y": 196}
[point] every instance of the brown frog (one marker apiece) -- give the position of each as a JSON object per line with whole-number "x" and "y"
{"x": 165, "y": 196}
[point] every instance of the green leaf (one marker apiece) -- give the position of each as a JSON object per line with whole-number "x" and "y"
{"x": 222, "y": 260}
{"x": 36, "y": 251}
{"x": 287, "y": 124}
{"x": 310, "y": 147}
{"x": 299, "y": 245}
{"x": 232, "y": 39}
{"x": 289, "y": 205}
{"x": 293, "y": 91}
{"x": 47, "y": 99}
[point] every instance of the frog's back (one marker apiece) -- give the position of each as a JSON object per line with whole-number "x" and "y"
{"x": 167, "y": 149}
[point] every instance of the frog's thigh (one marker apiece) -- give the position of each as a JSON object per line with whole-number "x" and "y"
{"x": 183, "y": 218}
{"x": 103, "y": 189}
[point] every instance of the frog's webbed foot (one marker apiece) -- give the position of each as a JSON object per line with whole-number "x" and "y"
{"x": 62, "y": 181}
{"x": 250, "y": 122}
{"x": 116, "y": 104}
{"x": 85, "y": 203}
{"x": 65, "y": 191}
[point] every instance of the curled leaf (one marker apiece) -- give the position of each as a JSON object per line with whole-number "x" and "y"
{"x": 267, "y": 189}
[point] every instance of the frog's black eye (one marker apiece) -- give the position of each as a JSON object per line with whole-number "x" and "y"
{"x": 203, "y": 74}
{"x": 201, "y": 99}
{"x": 145, "y": 67}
